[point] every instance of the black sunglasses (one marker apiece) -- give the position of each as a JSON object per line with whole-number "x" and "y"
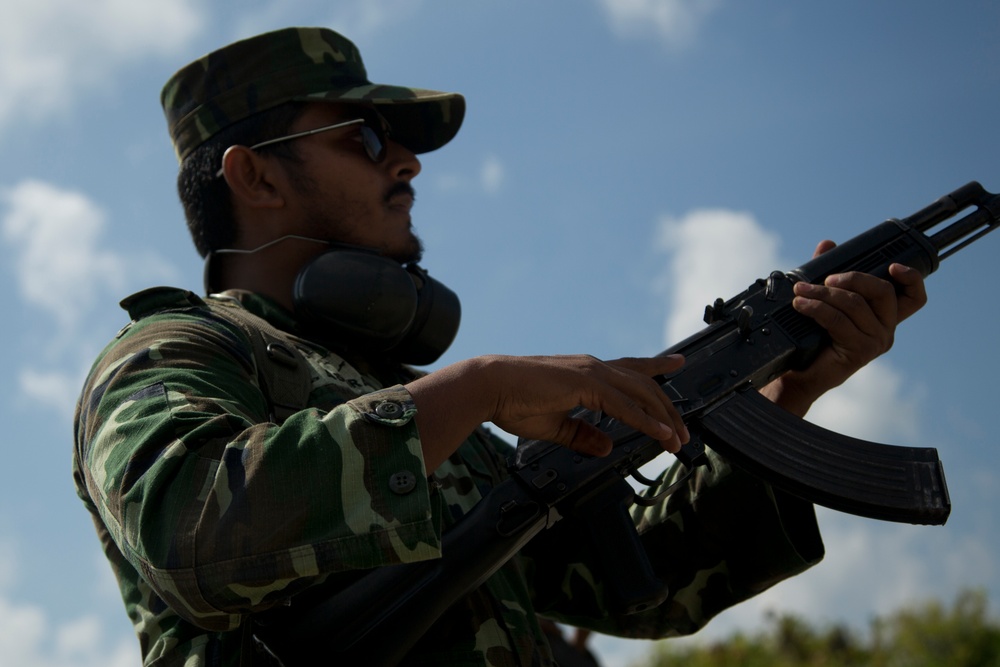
{"x": 374, "y": 134}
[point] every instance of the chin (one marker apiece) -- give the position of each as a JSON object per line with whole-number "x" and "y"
{"x": 408, "y": 258}
{"x": 413, "y": 251}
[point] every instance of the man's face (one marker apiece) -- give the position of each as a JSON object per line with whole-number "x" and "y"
{"x": 341, "y": 195}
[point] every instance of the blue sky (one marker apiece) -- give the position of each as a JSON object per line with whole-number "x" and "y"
{"x": 623, "y": 163}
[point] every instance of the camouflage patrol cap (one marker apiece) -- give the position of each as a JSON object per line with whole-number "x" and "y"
{"x": 297, "y": 64}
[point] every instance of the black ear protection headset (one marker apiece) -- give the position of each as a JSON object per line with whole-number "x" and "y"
{"x": 356, "y": 297}
{"x": 378, "y": 304}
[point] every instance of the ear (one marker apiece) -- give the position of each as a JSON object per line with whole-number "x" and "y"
{"x": 251, "y": 178}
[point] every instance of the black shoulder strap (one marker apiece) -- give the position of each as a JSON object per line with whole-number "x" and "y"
{"x": 282, "y": 371}
{"x": 283, "y": 375}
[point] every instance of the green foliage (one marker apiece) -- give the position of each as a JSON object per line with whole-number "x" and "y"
{"x": 931, "y": 635}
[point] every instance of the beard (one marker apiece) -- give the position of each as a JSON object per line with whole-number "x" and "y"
{"x": 339, "y": 223}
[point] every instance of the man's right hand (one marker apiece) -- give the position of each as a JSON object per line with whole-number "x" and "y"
{"x": 532, "y": 397}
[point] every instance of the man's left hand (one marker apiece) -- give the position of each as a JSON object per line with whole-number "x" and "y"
{"x": 860, "y": 312}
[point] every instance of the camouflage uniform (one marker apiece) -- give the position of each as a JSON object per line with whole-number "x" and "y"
{"x": 210, "y": 511}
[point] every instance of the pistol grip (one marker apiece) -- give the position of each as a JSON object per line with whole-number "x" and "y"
{"x": 631, "y": 584}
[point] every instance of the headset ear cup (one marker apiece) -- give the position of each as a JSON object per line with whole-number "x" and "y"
{"x": 357, "y": 296}
{"x": 435, "y": 323}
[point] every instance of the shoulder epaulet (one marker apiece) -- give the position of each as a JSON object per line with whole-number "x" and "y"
{"x": 156, "y": 299}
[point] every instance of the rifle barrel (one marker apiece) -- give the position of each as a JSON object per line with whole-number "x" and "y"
{"x": 961, "y": 233}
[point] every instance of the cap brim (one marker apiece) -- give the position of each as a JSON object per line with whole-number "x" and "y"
{"x": 422, "y": 120}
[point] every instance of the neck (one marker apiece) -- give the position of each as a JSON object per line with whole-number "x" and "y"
{"x": 269, "y": 269}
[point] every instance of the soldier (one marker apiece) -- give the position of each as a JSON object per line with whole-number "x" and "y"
{"x": 220, "y": 489}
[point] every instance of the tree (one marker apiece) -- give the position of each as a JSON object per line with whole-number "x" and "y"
{"x": 930, "y": 635}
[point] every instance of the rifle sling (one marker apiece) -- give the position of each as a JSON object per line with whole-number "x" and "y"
{"x": 282, "y": 371}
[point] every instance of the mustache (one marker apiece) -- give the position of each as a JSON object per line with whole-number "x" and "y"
{"x": 400, "y": 188}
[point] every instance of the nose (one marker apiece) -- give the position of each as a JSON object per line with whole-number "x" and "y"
{"x": 402, "y": 162}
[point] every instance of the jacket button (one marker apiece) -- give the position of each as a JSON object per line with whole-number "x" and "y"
{"x": 403, "y": 482}
{"x": 389, "y": 410}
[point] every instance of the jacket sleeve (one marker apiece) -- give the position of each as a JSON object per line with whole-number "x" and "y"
{"x": 722, "y": 537}
{"x": 222, "y": 512}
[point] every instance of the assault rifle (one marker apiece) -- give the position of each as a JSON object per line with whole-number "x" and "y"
{"x": 750, "y": 340}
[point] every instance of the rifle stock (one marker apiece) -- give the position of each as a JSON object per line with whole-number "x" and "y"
{"x": 750, "y": 340}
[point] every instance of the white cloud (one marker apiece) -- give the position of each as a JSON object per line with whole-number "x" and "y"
{"x": 59, "y": 264}
{"x": 22, "y": 629}
{"x": 862, "y": 407}
{"x": 710, "y": 259}
{"x": 56, "y": 233}
{"x": 82, "y": 642}
{"x": 54, "y": 389}
{"x": 8, "y": 565}
{"x": 51, "y": 51}
{"x": 28, "y": 638}
{"x": 61, "y": 268}
{"x": 365, "y": 17}
{"x": 492, "y": 175}
{"x": 448, "y": 182}
{"x": 676, "y": 22}
{"x": 358, "y": 19}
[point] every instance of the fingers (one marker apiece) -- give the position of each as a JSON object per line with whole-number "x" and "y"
{"x": 871, "y": 305}
{"x": 857, "y": 310}
{"x": 860, "y": 312}
{"x": 647, "y": 403}
{"x": 913, "y": 295}
{"x": 624, "y": 389}
{"x": 537, "y": 394}
{"x": 822, "y": 247}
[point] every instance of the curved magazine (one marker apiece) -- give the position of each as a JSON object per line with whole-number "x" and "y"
{"x": 873, "y": 480}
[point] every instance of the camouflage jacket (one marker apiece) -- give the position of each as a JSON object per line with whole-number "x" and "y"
{"x": 209, "y": 512}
